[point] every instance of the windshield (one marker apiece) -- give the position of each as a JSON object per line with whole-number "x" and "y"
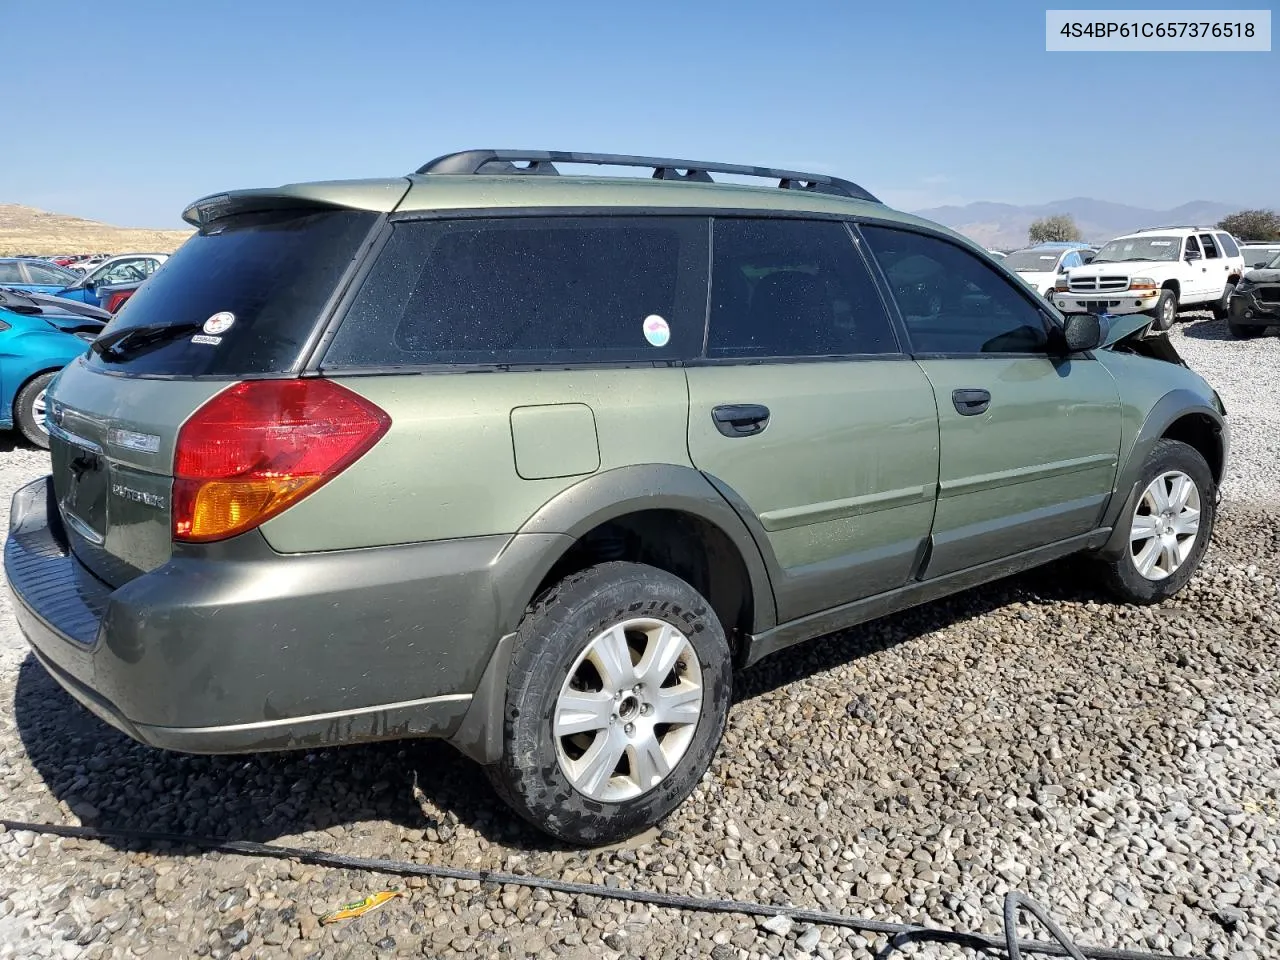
{"x": 1140, "y": 248}
{"x": 1260, "y": 257}
{"x": 1033, "y": 261}
{"x": 242, "y": 296}
{"x": 1273, "y": 263}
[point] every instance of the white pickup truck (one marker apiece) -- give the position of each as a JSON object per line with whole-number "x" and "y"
{"x": 1155, "y": 271}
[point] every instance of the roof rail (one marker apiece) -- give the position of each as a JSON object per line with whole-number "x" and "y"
{"x": 1180, "y": 226}
{"x": 541, "y": 162}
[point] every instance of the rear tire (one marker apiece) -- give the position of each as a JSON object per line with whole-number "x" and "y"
{"x": 1166, "y": 310}
{"x": 1170, "y": 523}
{"x": 598, "y": 661}
{"x": 29, "y": 410}
{"x": 1222, "y": 309}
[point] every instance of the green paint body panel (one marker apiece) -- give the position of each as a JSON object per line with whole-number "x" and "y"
{"x": 842, "y": 478}
{"x": 1037, "y": 466}
{"x": 447, "y": 469}
{"x": 1140, "y": 384}
{"x": 555, "y": 440}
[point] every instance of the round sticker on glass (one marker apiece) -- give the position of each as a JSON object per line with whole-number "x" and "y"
{"x": 219, "y": 323}
{"x": 656, "y": 330}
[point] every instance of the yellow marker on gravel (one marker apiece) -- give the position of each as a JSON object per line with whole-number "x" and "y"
{"x": 359, "y": 908}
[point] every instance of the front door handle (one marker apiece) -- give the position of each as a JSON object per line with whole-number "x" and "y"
{"x": 971, "y": 402}
{"x": 740, "y": 419}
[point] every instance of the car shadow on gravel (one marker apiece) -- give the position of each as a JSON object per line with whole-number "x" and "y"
{"x": 1058, "y": 582}
{"x": 1216, "y": 330}
{"x": 1202, "y": 329}
{"x": 109, "y": 781}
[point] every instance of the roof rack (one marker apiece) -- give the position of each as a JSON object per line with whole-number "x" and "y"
{"x": 541, "y": 163}
{"x": 1180, "y": 226}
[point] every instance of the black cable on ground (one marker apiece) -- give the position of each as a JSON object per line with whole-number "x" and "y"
{"x": 899, "y": 933}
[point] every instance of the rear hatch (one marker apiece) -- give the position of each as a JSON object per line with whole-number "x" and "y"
{"x": 244, "y": 298}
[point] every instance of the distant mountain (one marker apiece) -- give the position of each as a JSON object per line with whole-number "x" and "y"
{"x": 1004, "y": 225}
{"x": 28, "y": 230}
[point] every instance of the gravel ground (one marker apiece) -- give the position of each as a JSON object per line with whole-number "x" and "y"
{"x": 1118, "y": 764}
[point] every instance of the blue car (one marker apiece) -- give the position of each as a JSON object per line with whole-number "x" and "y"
{"x": 41, "y": 276}
{"x": 125, "y": 268}
{"x": 39, "y": 335}
{"x": 36, "y": 276}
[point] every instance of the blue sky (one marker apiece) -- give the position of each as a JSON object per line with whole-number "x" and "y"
{"x": 142, "y": 107}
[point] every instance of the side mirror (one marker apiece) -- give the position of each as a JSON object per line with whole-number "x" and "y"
{"x": 1081, "y": 332}
{"x": 1193, "y": 255}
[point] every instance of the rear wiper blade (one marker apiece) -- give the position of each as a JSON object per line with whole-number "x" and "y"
{"x": 114, "y": 345}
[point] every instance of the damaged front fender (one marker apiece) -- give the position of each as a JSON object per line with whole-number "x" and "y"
{"x": 1132, "y": 333}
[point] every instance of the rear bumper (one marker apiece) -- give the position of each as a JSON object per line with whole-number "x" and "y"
{"x": 237, "y": 648}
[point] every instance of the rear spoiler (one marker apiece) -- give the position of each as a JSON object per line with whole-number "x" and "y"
{"x": 380, "y": 196}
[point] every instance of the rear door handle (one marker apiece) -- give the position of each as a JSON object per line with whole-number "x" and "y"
{"x": 971, "y": 402}
{"x": 740, "y": 419}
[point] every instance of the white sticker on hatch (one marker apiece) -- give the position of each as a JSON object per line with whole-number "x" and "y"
{"x": 211, "y": 341}
{"x": 656, "y": 330}
{"x": 219, "y": 323}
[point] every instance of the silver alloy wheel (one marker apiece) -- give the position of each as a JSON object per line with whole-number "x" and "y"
{"x": 1165, "y": 525}
{"x": 1169, "y": 312}
{"x": 38, "y": 410}
{"x": 628, "y": 709}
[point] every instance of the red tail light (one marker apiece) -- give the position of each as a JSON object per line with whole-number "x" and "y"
{"x": 262, "y": 445}
{"x": 116, "y": 300}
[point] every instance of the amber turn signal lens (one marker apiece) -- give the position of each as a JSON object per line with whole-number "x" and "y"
{"x": 262, "y": 445}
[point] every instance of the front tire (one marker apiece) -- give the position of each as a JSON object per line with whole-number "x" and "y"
{"x": 1222, "y": 309}
{"x": 617, "y": 696}
{"x": 1165, "y": 310}
{"x": 29, "y": 410}
{"x": 1170, "y": 522}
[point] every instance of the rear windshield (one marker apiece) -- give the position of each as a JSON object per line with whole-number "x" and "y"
{"x": 240, "y": 297}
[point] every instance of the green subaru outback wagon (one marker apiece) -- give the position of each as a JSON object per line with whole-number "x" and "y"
{"x": 532, "y": 461}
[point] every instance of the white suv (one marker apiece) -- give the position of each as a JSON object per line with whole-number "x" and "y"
{"x": 1155, "y": 271}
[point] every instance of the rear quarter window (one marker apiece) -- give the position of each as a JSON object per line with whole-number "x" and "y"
{"x": 272, "y": 272}
{"x": 530, "y": 290}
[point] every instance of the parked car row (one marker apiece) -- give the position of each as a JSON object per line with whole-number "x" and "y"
{"x": 39, "y": 335}
{"x": 43, "y": 276}
{"x": 1156, "y": 272}
{"x": 1040, "y": 266}
{"x": 48, "y": 313}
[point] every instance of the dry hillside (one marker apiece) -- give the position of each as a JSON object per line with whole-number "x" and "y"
{"x": 28, "y": 230}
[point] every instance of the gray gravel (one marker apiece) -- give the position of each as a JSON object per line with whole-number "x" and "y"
{"x": 1246, "y": 373}
{"x": 1118, "y": 764}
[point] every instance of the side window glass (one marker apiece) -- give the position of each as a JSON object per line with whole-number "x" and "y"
{"x": 1210, "y": 248}
{"x": 531, "y": 290}
{"x": 126, "y": 271}
{"x": 41, "y": 274}
{"x": 951, "y": 301}
{"x": 793, "y": 288}
{"x": 1193, "y": 245}
{"x": 10, "y": 273}
{"x": 1229, "y": 248}
{"x": 1071, "y": 260}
